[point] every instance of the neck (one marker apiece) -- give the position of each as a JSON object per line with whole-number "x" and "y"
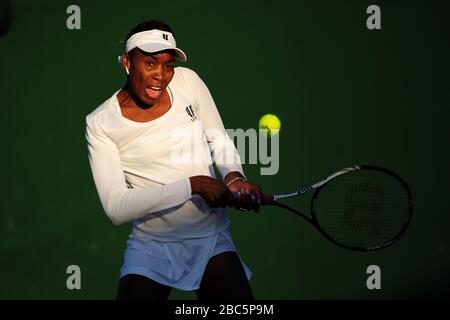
{"x": 131, "y": 98}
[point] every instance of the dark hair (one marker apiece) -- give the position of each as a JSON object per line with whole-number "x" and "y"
{"x": 150, "y": 25}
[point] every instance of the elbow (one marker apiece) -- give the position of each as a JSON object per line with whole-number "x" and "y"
{"x": 115, "y": 210}
{"x": 115, "y": 215}
{"x": 115, "y": 220}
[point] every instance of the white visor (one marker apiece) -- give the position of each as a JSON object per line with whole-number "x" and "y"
{"x": 154, "y": 41}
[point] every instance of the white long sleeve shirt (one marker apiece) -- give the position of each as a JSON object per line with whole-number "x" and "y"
{"x": 141, "y": 170}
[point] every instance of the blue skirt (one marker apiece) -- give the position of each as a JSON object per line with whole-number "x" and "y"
{"x": 177, "y": 264}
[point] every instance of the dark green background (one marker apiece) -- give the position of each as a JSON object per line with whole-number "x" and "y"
{"x": 345, "y": 95}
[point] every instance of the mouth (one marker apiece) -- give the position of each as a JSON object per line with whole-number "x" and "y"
{"x": 153, "y": 92}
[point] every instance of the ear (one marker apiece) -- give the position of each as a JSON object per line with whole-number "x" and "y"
{"x": 125, "y": 61}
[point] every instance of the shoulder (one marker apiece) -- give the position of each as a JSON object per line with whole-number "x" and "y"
{"x": 189, "y": 84}
{"x": 101, "y": 113}
{"x": 185, "y": 77}
{"x": 183, "y": 73}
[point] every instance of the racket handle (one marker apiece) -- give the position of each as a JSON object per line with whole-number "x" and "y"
{"x": 266, "y": 200}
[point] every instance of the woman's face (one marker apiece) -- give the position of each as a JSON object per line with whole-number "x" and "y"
{"x": 150, "y": 74}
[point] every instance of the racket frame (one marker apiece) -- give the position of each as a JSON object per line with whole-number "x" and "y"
{"x": 316, "y": 187}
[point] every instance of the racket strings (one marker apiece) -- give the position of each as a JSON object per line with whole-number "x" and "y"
{"x": 363, "y": 208}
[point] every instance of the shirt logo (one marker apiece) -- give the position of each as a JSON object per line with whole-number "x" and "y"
{"x": 191, "y": 113}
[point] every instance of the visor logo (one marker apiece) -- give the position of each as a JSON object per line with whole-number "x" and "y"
{"x": 165, "y": 36}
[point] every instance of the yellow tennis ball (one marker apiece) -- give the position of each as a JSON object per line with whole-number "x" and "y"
{"x": 270, "y": 123}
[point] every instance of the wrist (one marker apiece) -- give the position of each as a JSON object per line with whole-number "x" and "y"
{"x": 229, "y": 183}
{"x": 233, "y": 175}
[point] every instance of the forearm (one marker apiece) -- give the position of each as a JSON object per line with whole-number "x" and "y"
{"x": 225, "y": 155}
{"x": 126, "y": 205}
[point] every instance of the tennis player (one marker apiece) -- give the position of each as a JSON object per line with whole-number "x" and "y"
{"x": 180, "y": 236}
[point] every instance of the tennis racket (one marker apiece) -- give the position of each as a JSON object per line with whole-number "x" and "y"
{"x": 361, "y": 208}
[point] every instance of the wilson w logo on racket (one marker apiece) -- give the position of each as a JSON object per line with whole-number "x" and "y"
{"x": 360, "y": 208}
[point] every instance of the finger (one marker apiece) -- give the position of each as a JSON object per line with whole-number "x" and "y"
{"x": 242, "y": 200}
{"x": 253, "y": 197}
{"x": 229, "y": 198}
{"x": 259, "y": 192}
{"x": 248, "y": 200}
{"x": 235, "y": 199}
{"x": 239, "y": 200}
{"x": 255, "y": 201}
{"x": 219, "y": 199}
{"x": 223, "y": 199}
{"x": 241, "y": 197}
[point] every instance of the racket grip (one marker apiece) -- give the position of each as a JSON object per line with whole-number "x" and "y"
{"x": 267, "y": 199}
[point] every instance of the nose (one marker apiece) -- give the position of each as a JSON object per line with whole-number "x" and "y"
{"x": 158, "y": 72}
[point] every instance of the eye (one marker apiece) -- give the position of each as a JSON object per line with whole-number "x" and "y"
{"x": 170, "y": 66}
{"x": 149, "y": 63}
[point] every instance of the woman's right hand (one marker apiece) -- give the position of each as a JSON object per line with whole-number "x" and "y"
{"x": 215, "y": 193}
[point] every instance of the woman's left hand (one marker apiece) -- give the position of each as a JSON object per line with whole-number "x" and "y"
{"x": 246, "y": 194}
